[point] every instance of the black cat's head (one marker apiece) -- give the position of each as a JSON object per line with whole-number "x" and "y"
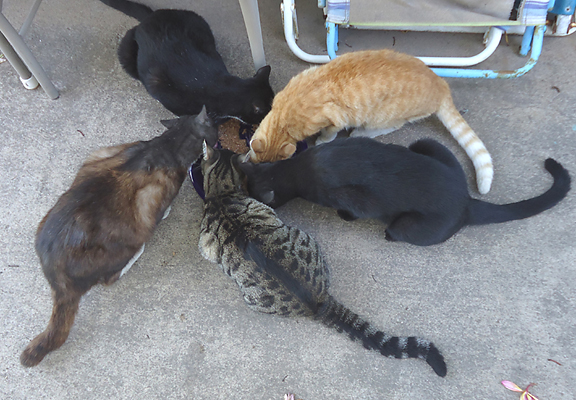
{"x": 258, "y": 180}
{"x": 256, "y": 98}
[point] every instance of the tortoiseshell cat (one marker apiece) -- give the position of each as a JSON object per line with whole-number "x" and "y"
{"x": 173, "y": 53}
{"x": 420, "y": 192}
{"x": 278, "y": 268}
{"x": 373, "y": 89}
{"x": 98, "y": 228}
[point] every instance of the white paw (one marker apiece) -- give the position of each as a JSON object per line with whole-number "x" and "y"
{"x": 326, "y": 135}
{"x": 371, "y": 133}
{"x": 167, "y": 212}
{"x": 132, "y": 261}
{"x": 324, "y": 139}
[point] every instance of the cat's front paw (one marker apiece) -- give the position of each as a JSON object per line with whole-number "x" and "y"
{"x": 346, "y": 215}
{"x": 389, "y": 237}
{"x": 325, "y": 137}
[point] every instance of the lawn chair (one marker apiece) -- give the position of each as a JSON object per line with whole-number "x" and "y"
{"x": 19, "y": 55}
{"x": 531, "y": 18}
{"x": 32, "y": 74}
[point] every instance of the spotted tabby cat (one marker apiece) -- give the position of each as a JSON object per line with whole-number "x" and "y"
{"x": 278, "y": 268}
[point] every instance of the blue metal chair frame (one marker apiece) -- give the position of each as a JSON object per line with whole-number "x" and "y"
{"x": 532, "y": 42}
{"x": 533, "y": 38}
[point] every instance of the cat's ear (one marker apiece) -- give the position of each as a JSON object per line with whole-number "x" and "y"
{"x": 287, "y": 150}
{"x": 257, "y": 109}
{"x": 202, "y": 118}
{"x": 263, "y": 74}
{"x": 169, "y": 123}
{"x": 207, "y": 151}
{"x": 242, "y": 161}
{"x": 267, "y": 197}
{"x": 257, "y": 145}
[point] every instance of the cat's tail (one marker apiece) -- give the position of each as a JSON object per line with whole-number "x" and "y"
{"x": 134, "y": 10}
{"x": 63, "y": 313}
{"x": 338, "y": 316}
{"x": 480, "y": 212}
{"x": 470, "y": 142}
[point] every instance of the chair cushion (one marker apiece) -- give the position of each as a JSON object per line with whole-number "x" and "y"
{"x": 374, "y": 13}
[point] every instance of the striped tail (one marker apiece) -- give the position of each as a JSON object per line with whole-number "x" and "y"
{"x": 461, "y": 131}
{"x": 334, "y": 314}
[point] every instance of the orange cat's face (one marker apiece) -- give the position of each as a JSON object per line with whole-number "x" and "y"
{"x": 270, "y": 142}
{"x": 261, "y": 152}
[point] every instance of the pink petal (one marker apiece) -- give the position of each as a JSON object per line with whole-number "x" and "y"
{"x": 511, "y": 386}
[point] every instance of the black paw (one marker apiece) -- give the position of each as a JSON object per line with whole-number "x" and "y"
{"x": 389, "y": 237}
{"x": 346, "y": 215}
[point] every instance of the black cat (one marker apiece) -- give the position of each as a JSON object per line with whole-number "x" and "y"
{"x": 173, "y": 53}
{"x": 420, "y": 191}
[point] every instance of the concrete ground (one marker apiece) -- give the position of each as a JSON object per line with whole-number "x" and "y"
{"x": 498, "y": 300}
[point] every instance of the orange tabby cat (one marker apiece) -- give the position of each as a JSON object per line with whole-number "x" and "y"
{"x": 374, "y": 89}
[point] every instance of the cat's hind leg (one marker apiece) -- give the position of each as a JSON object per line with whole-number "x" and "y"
{"x": 166, "y": 213}
{"x": 63, "y": 313}
{"x": 346, "y": 215}
{"x": 128, "y": 53}
{"x": 375, "y": 129}
{"x": 132, "y": 261}
{"x": 418, "y": 229}
{"x": 327, "y": 135}
{"x": 371, "y": 133}
{"x": 126, "y": 268}
{"x": 432, "y": 148}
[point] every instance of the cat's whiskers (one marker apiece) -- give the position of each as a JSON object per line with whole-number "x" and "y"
{"x": 233, "y": 117}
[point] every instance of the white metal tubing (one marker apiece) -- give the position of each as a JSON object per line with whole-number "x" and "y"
{"x": 492, "y": 42}
{"x": 252, "y": 22}
{"x": 288, "y": 10}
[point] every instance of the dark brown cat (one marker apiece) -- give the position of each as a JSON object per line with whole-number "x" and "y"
{"x": 98, "y": 228}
